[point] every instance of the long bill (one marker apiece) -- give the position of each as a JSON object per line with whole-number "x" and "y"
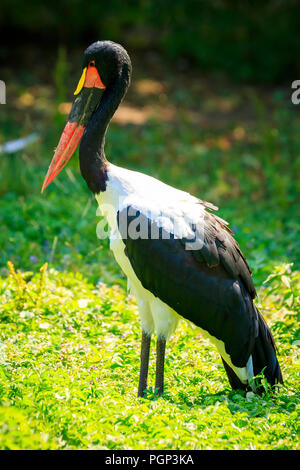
{"x": 88, "y": 91}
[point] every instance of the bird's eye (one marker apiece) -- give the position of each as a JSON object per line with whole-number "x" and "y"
{"x": 92, "y": 63}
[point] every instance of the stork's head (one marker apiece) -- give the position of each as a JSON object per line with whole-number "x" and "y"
{"x": 102, "y": 66}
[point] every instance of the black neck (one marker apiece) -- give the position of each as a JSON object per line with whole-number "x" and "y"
{"x": 93, "y": 163}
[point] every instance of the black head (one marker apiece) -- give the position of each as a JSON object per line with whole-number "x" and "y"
{"x": 111, "y": 61}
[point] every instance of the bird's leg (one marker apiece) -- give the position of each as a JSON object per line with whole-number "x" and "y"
{"x": 145, "y": 351}
{"x": 160, "y": 365}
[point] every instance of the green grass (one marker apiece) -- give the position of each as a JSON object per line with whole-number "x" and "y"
{"x": 70, "y": 334}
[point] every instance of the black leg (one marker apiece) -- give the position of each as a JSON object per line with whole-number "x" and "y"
{"x": 160, "y": 365}
{"x": 145, "y": 351}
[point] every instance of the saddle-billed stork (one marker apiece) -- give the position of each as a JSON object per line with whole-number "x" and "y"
{"x": 180, "y": 259}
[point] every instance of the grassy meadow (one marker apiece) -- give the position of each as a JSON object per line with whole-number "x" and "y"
{"x": 69, "y": 332}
